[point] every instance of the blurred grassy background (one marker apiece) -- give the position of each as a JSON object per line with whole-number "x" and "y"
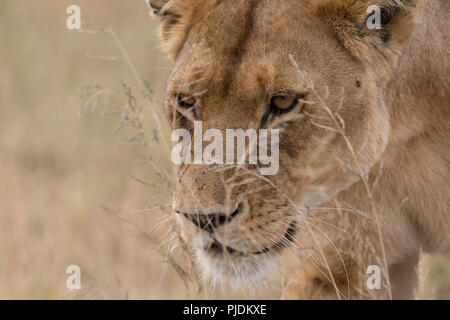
{"x": 57, "y": 168}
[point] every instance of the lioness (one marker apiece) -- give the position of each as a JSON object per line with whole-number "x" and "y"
{"x": 364, "y": 120}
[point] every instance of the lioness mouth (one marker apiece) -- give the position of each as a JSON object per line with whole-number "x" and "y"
{"x": 288, "y": 237}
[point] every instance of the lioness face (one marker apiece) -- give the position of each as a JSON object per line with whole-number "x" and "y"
{"x": 233, "y": 70}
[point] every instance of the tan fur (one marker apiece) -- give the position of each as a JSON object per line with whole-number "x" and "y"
{"x": 387, "y": 90}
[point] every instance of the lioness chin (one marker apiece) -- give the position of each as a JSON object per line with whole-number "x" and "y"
{"x": 364, "y": 152}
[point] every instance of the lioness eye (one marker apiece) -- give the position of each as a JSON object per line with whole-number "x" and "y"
{"x": 185, "y": 101}
{"x": 283, "y": 104}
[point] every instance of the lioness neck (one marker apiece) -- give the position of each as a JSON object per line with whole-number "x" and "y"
{"x": 417, "y": 159}
{"x": 418, "y": 93}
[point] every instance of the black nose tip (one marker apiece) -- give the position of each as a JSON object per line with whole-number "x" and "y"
{"x": 209, "y": 222}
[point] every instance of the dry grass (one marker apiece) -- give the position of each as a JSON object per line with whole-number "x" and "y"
{"x": 72, "y": 193}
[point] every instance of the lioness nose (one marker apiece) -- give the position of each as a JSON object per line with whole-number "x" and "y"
{"x": 209, "y": 222}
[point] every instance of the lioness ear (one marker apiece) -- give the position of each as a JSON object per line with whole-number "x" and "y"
{"x": 375, "y": 31}
{"x": 175, "y": 17}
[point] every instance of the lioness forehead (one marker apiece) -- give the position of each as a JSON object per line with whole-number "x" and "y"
{"x": 229, "y": 27}
{"x": 240, "y": 38}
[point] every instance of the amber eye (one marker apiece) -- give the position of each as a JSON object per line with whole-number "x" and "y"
{"x": 185, "y": 101}
{"x": 283, "y": 104}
